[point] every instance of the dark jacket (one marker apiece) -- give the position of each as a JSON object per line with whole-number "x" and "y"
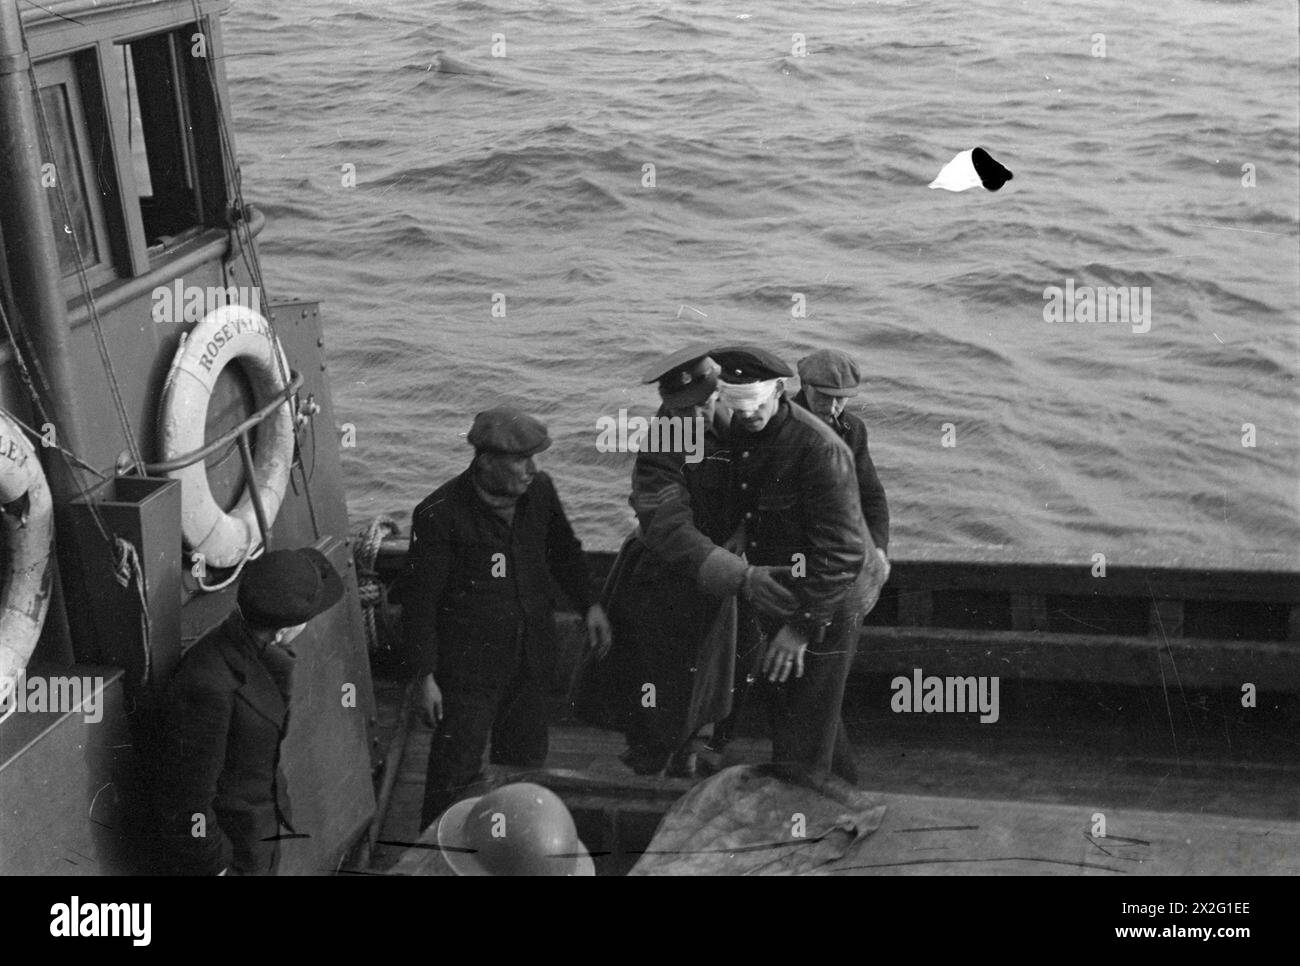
{"x": 226, "y": 712}
{"x": 871, "y": 493}
{"x": 474, "y": 584}
{"x": 681, "y": 508}
{"x": 668, "y": 631}
{"x": 793, "y": 485}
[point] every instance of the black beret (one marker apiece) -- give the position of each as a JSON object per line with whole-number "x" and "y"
{"x": 750, "y": 363}
{"x": 830, "y": 372}
{"x": 285, "y": 588}
{"x": 508, "y": 430}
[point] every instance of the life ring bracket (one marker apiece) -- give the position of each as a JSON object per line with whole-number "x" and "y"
{"x": 229, "y": 436}
{"x": 237, "y": 434}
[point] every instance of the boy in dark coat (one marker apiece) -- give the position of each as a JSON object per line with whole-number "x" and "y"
{"x": 221, "y": 793}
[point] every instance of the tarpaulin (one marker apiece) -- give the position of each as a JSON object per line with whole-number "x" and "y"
{"x": 761, "y": 820}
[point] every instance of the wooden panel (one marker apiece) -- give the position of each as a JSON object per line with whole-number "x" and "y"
{"x": 326, "y": 755}
{"x": 60, "y": 776}
{"x": 1028, "y": 612}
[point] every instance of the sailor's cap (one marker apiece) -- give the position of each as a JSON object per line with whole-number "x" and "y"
{"x": 750, "y": 363}
{"x": 508, "y": 430}
{"x": 686, "y": 377}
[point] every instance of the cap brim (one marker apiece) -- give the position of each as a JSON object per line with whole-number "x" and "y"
{"x": 666, "y": 364}
{"x": 692, "y": 395}
{"x": 461, "y": 856}
{"x": 832, "y": 391}
{"x": 540, "y": 447}
{"x": 331, "y": 582}
{"x": 754, "y": 357}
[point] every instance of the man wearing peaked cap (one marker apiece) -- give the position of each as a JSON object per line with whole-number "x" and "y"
{"x": 672, "y": 590}
{"x": 793, "y": 490}
{"x": 828, "y": 378}
{"x": 226, "y": 712}
{"x": 478, "y": 606}
{"x": 686, "y": 378}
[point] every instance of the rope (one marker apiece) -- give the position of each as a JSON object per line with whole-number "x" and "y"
{"x": 127, "y": 568}
{"x": 38, "y": 405}
{"x": 370, "y": 589}
{"x": 199, "y": 569}
{"x": 240, "y": 230}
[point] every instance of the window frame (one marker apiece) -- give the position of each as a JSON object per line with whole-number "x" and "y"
{"x": 65, "y": 71}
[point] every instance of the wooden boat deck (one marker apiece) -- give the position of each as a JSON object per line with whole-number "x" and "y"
{"x": 968, "y": 799}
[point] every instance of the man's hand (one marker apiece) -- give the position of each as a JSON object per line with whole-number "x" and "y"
{"x": 766, "y": 593}
{"x": 430, "y": 701}
{"x": 599, "y": 634}
{"x": 783, "y": 653}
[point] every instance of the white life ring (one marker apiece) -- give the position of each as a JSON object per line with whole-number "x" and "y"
{"x": 225, "y": 334}
{"x": 29, "y": 549}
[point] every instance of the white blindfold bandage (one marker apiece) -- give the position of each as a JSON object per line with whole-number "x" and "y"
{"x": 745, "y": 397}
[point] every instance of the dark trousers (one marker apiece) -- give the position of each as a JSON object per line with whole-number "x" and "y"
{"x": 797, "y": 709}
{"x": 807, "y": 728}
{"x": 514, "y": 718}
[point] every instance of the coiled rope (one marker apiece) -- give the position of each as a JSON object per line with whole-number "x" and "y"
{"x": 370, "y": 589}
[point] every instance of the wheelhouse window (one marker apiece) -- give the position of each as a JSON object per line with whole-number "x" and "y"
{"x": 157, "y": 77}
{"x": 76, "y": 207}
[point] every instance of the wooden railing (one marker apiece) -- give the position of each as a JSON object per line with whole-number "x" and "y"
{"x": 1145, "y": 619}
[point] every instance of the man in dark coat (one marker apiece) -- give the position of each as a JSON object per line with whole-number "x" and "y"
{"x": 222, "y": 796}
{"x": 672, "y": 590}
{"x": 828, "y": 378}
{"x": 479, "y": 606}
{"x": 793, "y": 488}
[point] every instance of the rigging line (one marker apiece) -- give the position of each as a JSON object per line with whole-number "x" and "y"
{"x": 39, "y": 405}
{"x": 83, "y": 278}
{"x": 67, "y": 453}
{"x": 247, "y": 250}
{"x": 37, "y": 402}
{"x": 226, "y": 144}
{"x": 53, "y": 13}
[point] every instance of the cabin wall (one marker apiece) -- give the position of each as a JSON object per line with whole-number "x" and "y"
{"x": 327, "y": 755}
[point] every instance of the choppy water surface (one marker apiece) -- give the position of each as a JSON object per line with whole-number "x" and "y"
{"x": 779, "y": 174}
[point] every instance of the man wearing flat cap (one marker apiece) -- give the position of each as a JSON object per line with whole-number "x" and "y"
{"x": 221, "y": 794}
{"x": 794, "y": 490}
{"x": 673, "y": 587}
{"x": 478, "y": 606}
{"x": 828, "y": 378}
